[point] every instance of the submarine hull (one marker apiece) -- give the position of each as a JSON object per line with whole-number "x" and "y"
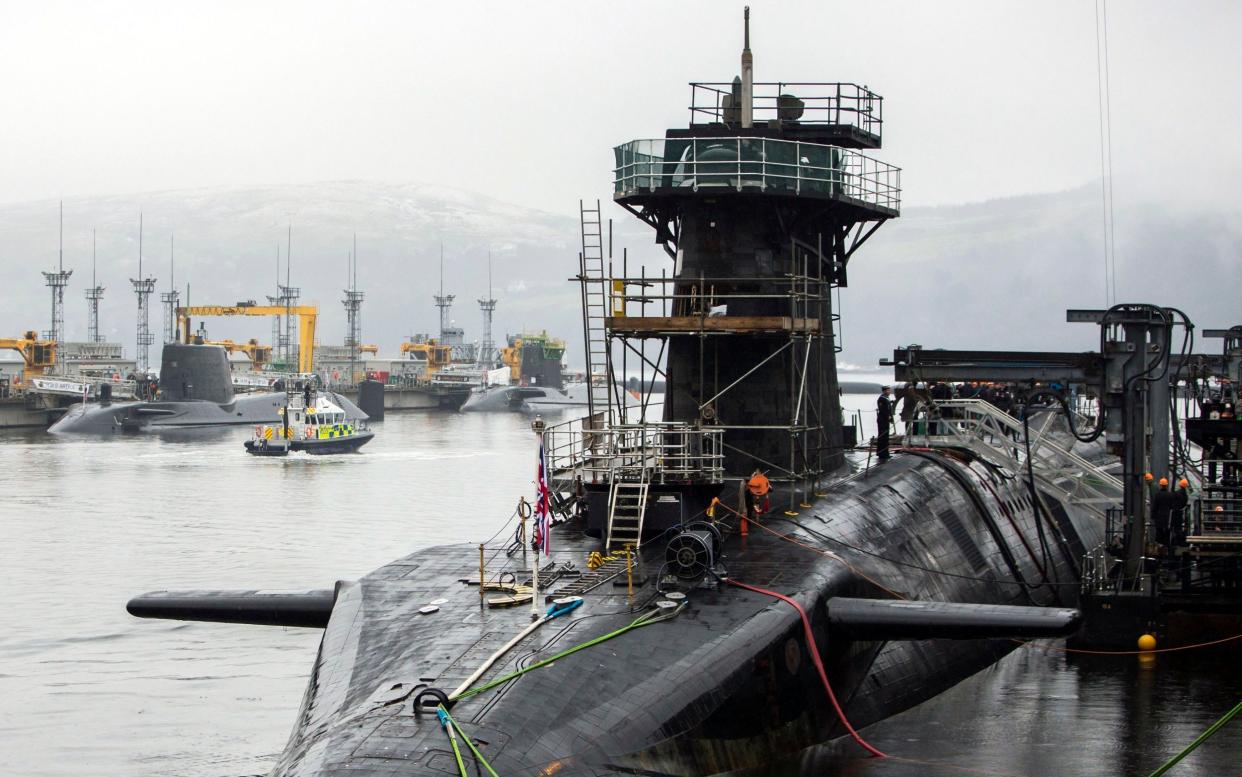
{"x": 729, "y": 683}
{"x": 153, "y": 416}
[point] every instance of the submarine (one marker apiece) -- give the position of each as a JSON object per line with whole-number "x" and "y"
{"x": 196, "y": 391}
{"x": 652, "y": 620}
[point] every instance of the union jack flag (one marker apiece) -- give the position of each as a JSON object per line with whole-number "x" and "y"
{"x": 543, "y": 509}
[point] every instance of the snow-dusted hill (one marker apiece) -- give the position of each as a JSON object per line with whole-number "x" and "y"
{"x": 226, "y": 244}
{"x": 991, "y": 274}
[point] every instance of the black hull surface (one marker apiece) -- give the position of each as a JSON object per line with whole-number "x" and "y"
{"x": 728, "y": 684}
{"x": 324, "y": 447}
{"x": 314, "y": 447}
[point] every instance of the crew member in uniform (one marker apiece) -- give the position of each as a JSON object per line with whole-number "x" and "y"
{"x": 1162, "y": 504}
{"x": 884, "y": 420}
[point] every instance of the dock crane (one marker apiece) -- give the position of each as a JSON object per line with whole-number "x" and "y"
{"x": 308, "y": 316}
{"x": 38, "y": 355}
{"x": 260, "y": 355}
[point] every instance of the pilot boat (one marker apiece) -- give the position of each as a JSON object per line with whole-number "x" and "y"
{"x": 312, "y": 423}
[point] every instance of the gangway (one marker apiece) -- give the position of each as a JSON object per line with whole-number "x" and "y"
{"x": 994, "y": 435}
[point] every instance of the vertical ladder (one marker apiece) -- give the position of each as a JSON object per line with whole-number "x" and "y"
{"x": 627, "y": 505}
{"x": 594, "y": 311}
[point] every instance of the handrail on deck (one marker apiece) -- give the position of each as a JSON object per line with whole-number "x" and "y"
{"x": 669, "y": 451}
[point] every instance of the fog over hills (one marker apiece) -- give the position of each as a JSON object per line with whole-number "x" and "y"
{"x": 989, "y": 275}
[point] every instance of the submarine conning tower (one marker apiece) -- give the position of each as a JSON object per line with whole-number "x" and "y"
{"x": 195, "y": 372}
{"x": 760, "y": 204}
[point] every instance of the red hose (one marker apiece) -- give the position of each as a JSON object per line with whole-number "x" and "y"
{"x": 815, "y": 659}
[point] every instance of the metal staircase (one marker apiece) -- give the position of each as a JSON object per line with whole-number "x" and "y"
{"x": 627, "y": 505}
{"x": 594, "y": 311}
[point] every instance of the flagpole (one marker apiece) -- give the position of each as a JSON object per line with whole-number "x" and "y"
{"x": 537, "y": 426}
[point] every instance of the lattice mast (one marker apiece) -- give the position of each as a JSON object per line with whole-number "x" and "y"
{"x": 93, "y": 295}
{"x": 760, "y": 203}
{"x": 171, "y": 299}
{"x": 289, "y": 296}
{"x": 144, "y": 287}
{"x": 487, "y": 348}
{"x": 444, "y": 302}
{"x": 275, "y": 301}
{"x": 353, "y": 312}
{"x": 57, "y": 281}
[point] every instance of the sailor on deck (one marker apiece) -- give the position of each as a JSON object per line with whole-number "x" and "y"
{"x": 884, "y": 420}
{"x": 757, "y": 490}
{"x": 1162, "y": 506}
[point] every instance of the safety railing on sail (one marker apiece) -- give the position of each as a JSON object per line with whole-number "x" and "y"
{"x": 984, "y": 428}
{"x": 715, "y": 296}
{"x": 834, "y": 104}
{"x": 756, "y": 164}
{"x": 672, "y": 452}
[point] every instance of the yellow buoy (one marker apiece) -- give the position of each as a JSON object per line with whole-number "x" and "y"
{"x": 1147, "y": 642}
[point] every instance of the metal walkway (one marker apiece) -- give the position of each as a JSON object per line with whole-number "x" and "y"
{"x": 996, "y": 436}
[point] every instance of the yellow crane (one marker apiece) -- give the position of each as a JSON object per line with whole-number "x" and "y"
{"x": 435, "y": 357}
{"x": 38, "y": 355}
{"x": 308, "y": 316}
{"x": 260, "y": 355}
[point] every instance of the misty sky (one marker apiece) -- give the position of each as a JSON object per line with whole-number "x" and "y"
{"x": 523, "y": 101}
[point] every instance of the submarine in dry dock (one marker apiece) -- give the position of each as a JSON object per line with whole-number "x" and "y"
{"x": 195, "y": 391}
{"x": 703, "y": 639}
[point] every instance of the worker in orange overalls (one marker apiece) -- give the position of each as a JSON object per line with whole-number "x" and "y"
{"x": 757, "y": 490}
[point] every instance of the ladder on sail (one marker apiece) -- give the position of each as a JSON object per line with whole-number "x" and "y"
{"x": 594, "y": 311}
{"x": 627, "y": 506}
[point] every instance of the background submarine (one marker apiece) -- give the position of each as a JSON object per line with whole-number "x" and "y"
{"x": 196, "y": 390}
{"x": 876, "y": 589}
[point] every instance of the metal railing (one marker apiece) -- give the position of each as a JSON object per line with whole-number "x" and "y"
{"x": 985, "y": 429}
{"x": 814, "y": 103}
{"x": 798, "y": 296}
{"x": 668, "y": 451}
{"x": 1218, "y": 507}
{"x": 756, "y": 164}
{"x": 74, "y": 385}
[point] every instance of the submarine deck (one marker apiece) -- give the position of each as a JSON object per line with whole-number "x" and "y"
{"x": 659, "y": 696}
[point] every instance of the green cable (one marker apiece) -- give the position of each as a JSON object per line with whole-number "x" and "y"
{"x": 643, "y": 620}
{"x": 1212, "y": 729}
{"x": 461, "y": 765}
{"x": 469, "y": 742}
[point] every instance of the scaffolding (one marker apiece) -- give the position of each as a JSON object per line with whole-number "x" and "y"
{"x": 646, "y": 313}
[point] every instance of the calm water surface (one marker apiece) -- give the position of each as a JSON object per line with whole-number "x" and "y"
{"x": 87, "y": 690}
